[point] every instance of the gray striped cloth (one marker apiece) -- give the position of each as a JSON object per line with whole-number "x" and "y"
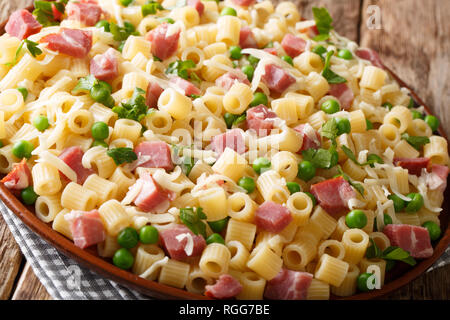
{"x": 66, "y": 279}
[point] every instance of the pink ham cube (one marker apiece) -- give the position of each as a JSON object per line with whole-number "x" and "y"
{"x": 154, "y": 154}
{"x": 72, "y": 156}
{"x": 104, "y": 66}
{"x": 288, "y": 285}
{"x": 176, "y": 248}
{"x": 414, "y": 239}
{"x": 272, "y": 217}
{"x": 86, "y": 227}
{"x": 226, "y": 287}
{"x": 277, "y": 79}
{"x": 333, "y": 194}
{"x": 233, "y": 139}
{"x": 22, "y": 24}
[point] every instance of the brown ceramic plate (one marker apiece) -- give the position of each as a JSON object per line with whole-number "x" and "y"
{"x": 396, "y": 278}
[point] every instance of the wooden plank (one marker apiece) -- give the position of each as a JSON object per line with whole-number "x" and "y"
{"x": 29, "y": 287}
{"x": 414, "y": 42}
{"x": 10, "y": 259}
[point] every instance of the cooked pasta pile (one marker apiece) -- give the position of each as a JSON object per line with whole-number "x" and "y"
{"x": 227, "y": 148}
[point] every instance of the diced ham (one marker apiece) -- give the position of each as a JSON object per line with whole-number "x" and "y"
{"x": 22, "y": 24}
{"x": 437, "y": 179}
{"x": 151, "y": 196}
{"x": 288, "y": 285}
{"x": 313, "y": 31}
{"x": 293, "y": 45}
{"x": 86, "y": 227}
{"x": 243, "y": 3}
{"x": 197, "y": 5}
{"x": 188, "y": 87}
{"x": 233, "y": 139}
{"x": 333, "y": 194}
{"x": 163, "y": 45}
{"x": 105, "y": 66}
{"x": 19, "y": 178}
{"x": 72, "y": 42}
{"x": 272, "y": 217}
{"x": 72, "y": 156}
{"x": 413, "y": 165}
{"x": 311, "y": 138}
{"x": 87, "y": 12}
{"x": 271, "y": 51}
{"x": 343, "y": 93}
{"x": 371, "y": 55}
{"x": 152, "y": 94}
{"x": 226, "y": 287}
{"x": 227, "y": 80}
{"x": 154, "y": 154}
{"x": 277, "y": 79}
{"x": 247, "y": 38}
{"x": 260, "y": 119}
{"x": 414, "y": 239}
{"x": 177, "y": 248}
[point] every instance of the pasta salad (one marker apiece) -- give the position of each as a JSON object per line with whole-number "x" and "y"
{"x": 230, "y": 148}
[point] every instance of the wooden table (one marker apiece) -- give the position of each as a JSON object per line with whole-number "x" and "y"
{"x": 414, "y": 41}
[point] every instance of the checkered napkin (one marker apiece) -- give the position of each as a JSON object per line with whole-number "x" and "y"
{"x": 65, "y": 279}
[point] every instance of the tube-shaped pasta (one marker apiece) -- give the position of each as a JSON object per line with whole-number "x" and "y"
{"x": 114, "y": 217}
{"x": 308, "y": 62}
{"x": 174, "y": 273}
{"x": 104, "y": 189}
{"x": 243, "y": 232}
{"x": 80, "y": 121}
{"x": 271, "y": 187}
{"x": 47, "y": 207}
{"x": 333, "y": 248}
{"x": 324, "y": 221}
{"x": 331, "y": 270}
{"x": 237, "y": 99}
{"x": 355, "y": 242}
{"x": 298, "y": 254}
{"x": 127, "y": 129}
{"x": 175, "y": 104}
{"x": 228, "y": 30}
{"x": 318, "y": 290}
{"x": 265, "y": 262}
{"x": 108, "y": 247}
{"x": 399, "y": 117}
{"x": 197, "y": 280}
{"x": 389, "y": 135}
{"x": 76, "y": 197}
{"x": 373, "y": 78}
{"x": 11, "y": 101}
{"x": 214, "y": 203}
{"x": 300, "y": 205}
{"x": 437, "y": 150}
{"x": 253, "y": 286}
{"x": 348, "y": 286}
{"x": 230, "y": 164}
{"x": 146, "y": 255}
{"x": 239, "y": 255}
{"x": 61, "y": 225}
{"x": 215, "y": 260}
{"x": 46, "y": 179}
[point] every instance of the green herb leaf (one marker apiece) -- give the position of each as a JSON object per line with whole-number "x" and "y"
{"x": 240, "y": 119}
{"x": 85, "y": 84}
{"x": 398, "y": 254}
{"x": 16, "y": 56}
{"x": 193, "y": 220}
{"x": 135, "y": 108}
{"x": 151, "y": 7}
{"x": 43, "y": 11}
{"x": 33, "y": 48}
{"x": 357, "y": 186}
{"x": 186, "y": 165}
{"x": 373, "y": 251}
{"x": 180, "y": 68}
{"x": 416, "y": 141}
{"x": 194, "y": 96}
{"x": 122, "y": 33}
{"x": 156, "y": 58}
{"x": 331, "y": 77}
{"x": 330, "y": 130}
{"x": 320, "y": 158}
{"x": 321, "y": 37}
{"x": 323, "y": 20}
{"x": 122, "y": 155}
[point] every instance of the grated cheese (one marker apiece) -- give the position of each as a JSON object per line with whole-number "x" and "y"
{"x": 47, "y": 156}
{"x": 154, "y": 267}
{"x": 189, "y": 247}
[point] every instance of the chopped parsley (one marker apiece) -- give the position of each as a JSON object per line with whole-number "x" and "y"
{"x": 331, "y": 77}
{"x": 151, "y": 7}
{"x": 135, "y": 108}
{"x": 349, "y": 153}
{"x": 392, "y": 253}
{"x": 321, "y": 158}
{"x": 85, "y": 84}
{"x": 416, "y": 141}
{"x": 43, "y": 11}
{"x": 181, "y": 68}
{"x": 32, "y": 48}
{"x": 330, "y": 130}
{"x": 122, "y": 155}
{"x": 122, "y": 33}
{"x": 358, "y": 187}
{"x": 193, "y": 220}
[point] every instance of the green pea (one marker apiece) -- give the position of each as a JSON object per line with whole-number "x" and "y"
{"x": 128, "y": 238}
{"x": 416, "y": 114}
{"x": 313, "y": 198}
{"x": 343, "y": 125}
{"x": 411, "y": 103}
{"x": 100, "y": 143}
{"x": 123, "y": 259}
{"x": 248, "y": 70}
{"x": 247, "y": 183}
{"x": 363, "y": 281}
{"x": 100, "y": 130}
{"x": 369, "y": 125}
{"x": 331, "y": 106}
{"x": 235, "y": 52}
{"x": 373, "y": 158}
{"x": 253, "y": 60}
{"x": 288, "y": 59}
{"x": 320, "y": 50}
{"x": 306, "y": 170}
{"x": 399, "y": 203}
{"x": 433, "y": 230}
{"x": 22, "y": 149}
{"x": 99, "y": 94}
{"x": 148, "y": 235}
{"x": 1, "y": 144}
{"x": 125, "y": 3}
{"x": 24, "y": 92}
{"x": 215, "y": 238}
{"x": 356, "y": 219}
{"x": 103, "y": 24}
{"x": 228, "y": 11}
{"x": 259, "y": 98}
{"x": 168, "y": 20}
{"x": 345, "y": 54}
{"x": 229, "y": 119}
{"x": 28, "y": 195}
{"x": 41, "y": 123}
{"x": 218, "y": 225}
{"x": 293, "y": 187}
{"x": 387, "y": 219}
{"x": 388, "y": 105}
{"x": 433, "y": 122}
{"x": 261, "y": 164}
{"x": 416, "y": 202}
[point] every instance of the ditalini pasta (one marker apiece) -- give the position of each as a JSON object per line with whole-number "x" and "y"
{"x": 229, "y": 148}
